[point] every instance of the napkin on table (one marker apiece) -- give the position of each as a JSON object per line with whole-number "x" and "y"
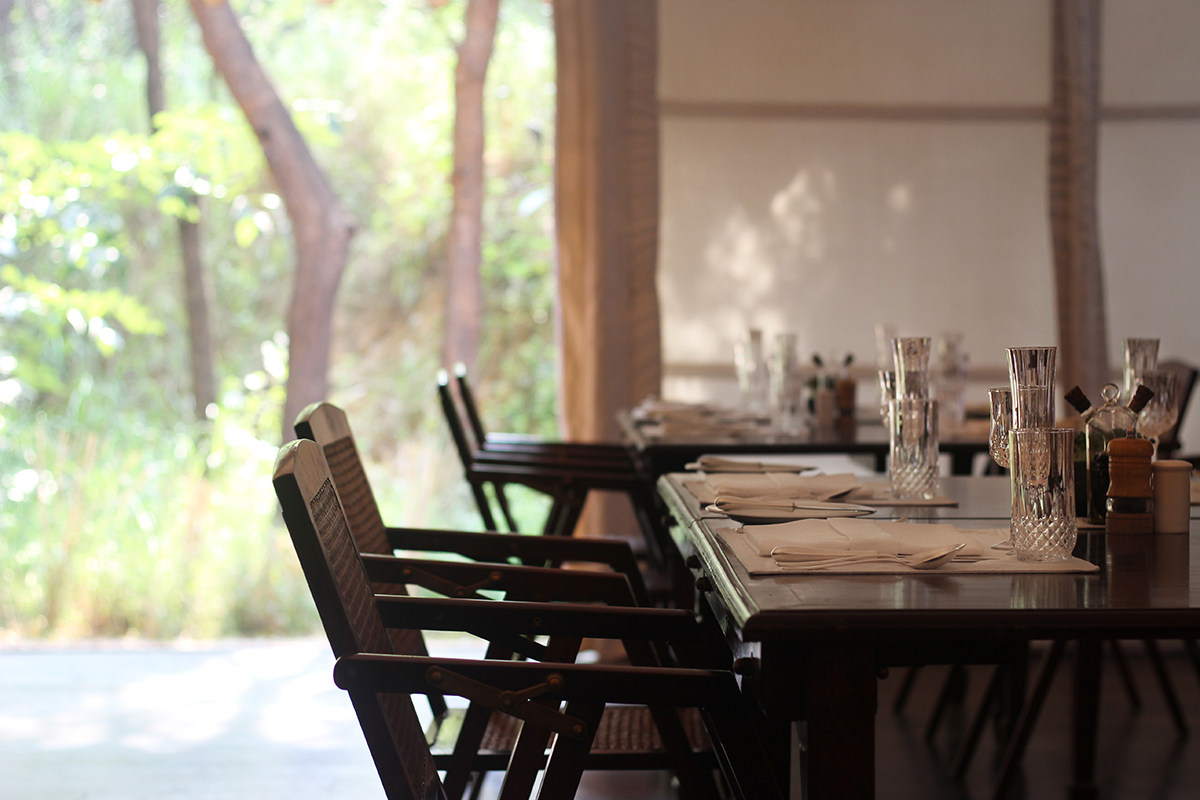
{"x": 848, "y": 534}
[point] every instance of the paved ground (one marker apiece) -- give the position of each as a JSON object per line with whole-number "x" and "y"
{"x": 227, "y": 720}
{"x": 224, "y": 720}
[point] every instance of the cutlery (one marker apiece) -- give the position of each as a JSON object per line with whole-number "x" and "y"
{"x": 799, "y": 559}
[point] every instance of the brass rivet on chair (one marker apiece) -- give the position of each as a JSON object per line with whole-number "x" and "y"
{"x": 434, "y": 676}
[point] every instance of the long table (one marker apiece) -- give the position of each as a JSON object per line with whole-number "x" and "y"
{"x": 659, "y": 455}
{"x": 809, "y": 647}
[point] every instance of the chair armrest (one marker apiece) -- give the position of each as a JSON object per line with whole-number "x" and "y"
{"x": 561, "y": 476}
{"x": 608, "y": 454}
{"x": 551, "y": 459}
{"x": 661, "y": 686}
{"x": 465, "y": 579}
{"x": 499, "y": 547}
{"x": 539, "y": 619}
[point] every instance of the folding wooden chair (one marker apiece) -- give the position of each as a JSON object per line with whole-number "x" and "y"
{"x": 567, "y": 481}
{"x": 327, "y": 425}
{"x": 615, "y": 455}
{"x": 356, "y": 621}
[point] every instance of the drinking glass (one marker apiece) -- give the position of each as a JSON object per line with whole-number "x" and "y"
{"x": 1001, "y": 414}
{"x": 911, "y": 356}
{"x": 1000, "y": 399}
{"x": 887, "y": 393}
{"x": 914, "y": 448}
{"x": 750, "y": 359}
{"x": 1163, "y": 409}
{"x": 1140, "y": 355}
{"x": 1042, "y": 461}
{"x": 1031, "y": 378}
{"x": 786, "y": 385}
{"x": 884, "y": 334}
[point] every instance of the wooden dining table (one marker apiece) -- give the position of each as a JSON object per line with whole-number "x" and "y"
{"x": 863, "y": 435}
{"x": 810, "y": 648}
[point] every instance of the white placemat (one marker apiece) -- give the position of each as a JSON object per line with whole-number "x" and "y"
{"x": 746, "y": 549}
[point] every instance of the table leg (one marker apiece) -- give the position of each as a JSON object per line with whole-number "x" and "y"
{"x": 962, "y": 462}
{"x": 837, "y": 757}
{"x": 1086, "y": 718}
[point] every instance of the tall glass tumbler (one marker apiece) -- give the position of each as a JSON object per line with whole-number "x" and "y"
{"x": 1141, "y": 355}
{"x": 914, "y": 448}
{"x": 911, "y": 356}
{"x": 1031, "y": 378}
{"x": 750, "y": 359}
{"x": 1042, "y": 461}
{"x": 786, "y": 385}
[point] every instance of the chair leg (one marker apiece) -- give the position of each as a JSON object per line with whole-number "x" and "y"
{"x": 484, "y": 506}
{"x": 564, "y": 768}
{"x": 1027, "y": 719}
{"x": 1168, "y": 688}
{"x": 962, "y": 760}
{"x": 1124, "y": 673}
{"x": 910, "y": 679}
{"x": 568, "y": 508}
{"x": 1193, "y": 651}
{"x": 952, "y": 693}
{"x": 502, "y": 501}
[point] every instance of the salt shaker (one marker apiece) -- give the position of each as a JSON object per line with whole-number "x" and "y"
{"x": 1172, "y": 496}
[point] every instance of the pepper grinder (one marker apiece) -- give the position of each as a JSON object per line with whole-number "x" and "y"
{"x": 1130, "y": 496}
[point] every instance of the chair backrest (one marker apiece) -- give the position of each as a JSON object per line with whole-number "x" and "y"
{"x": 450, "y": 412}
{"x": 328, "y": 426}
{"x": 1185, "y": 382}
{"x": 345, "y": 602}
{"x": 468, "y": 403}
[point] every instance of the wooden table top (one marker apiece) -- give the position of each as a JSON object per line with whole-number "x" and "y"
{"x": 1147, "y": 587}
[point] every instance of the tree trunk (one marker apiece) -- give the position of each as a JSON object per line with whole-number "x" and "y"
{"x": 1082, "y": 334}
{"x": 6, "y": 28}
{"x": 464, "y": 295}
{"x": 195, "y": 282}
{"x": 321, "y": 226}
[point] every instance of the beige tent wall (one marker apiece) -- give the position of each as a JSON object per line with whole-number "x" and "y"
{"x": 827, "y": 166}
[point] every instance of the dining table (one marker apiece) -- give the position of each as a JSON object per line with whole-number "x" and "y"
{"x": 659, "y": 452}
{"x": 809, "y": 648}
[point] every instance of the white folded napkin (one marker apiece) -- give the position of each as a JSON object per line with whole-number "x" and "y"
{"x": 780, "y": 485}
{"x": 722, "y": 464}
{"x": 893, "y": 538}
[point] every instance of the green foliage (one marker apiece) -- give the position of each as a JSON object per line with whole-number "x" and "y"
{"x": 120, "y": 513}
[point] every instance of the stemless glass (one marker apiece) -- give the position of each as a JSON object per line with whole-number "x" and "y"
{"x": 785, "y": 384}
{"x": 1043, "y": 502}
{"x": 1163, "y": 409}
{"x": 1031, "y": 378}
{"x": 750, "y": 359}
{"x": 913, "y": 468}
{"x": 1141, "y": 355}
{"x": 911, "y": 356}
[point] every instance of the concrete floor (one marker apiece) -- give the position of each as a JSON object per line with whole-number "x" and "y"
{"x": 262, "y": 719}
{"x": 227, "y": 720}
